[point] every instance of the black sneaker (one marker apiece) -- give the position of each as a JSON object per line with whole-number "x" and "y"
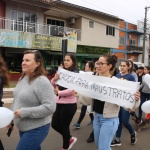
{"x": 133, "y": 138}
{"x": 115, "y": 143}
{"x": 90, "y": 139}
{"x": 76, "y": 125}
{"x": 138, "y": 120}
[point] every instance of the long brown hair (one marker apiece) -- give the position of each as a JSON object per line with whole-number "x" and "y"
{"x": 91, "y": 65}
{"x": 74, "y": 61}
{"x": 39, "y": 70}
{"x": 4, "y": 72}
{"x": 148, "y": 68}
{"x": 131, "y": 69}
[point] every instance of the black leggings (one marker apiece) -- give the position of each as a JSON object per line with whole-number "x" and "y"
{"x": 61, "y": 121}
{"x": 82, "y": 114}
{"x": 1, "y": 145}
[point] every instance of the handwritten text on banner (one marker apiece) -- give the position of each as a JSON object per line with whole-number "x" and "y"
{"x": 113, "y": 90}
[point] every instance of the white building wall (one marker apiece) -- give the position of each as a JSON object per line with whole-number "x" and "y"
{"x": 89, "y": 36}
{"x": 97, "y": 36}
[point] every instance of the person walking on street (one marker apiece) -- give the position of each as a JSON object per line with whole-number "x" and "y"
{"x": 89, "y": 66}
{"x": 4, "y": 82}
{"x": 66, "y": 104}
{"x": 131, "y": 70}
{"x": 106, "y": 114}
{"x": 140, "y": 74}
{"x": 34, "y": 102}
{"x": 145, "y": 90}
{"x": 124, "y": 115}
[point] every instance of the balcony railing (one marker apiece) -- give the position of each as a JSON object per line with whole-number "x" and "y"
{"x": 51, "y": 30}
{"x": 133, "y": 48}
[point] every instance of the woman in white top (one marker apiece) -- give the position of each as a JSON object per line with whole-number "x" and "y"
{"x": 89, "y": 66}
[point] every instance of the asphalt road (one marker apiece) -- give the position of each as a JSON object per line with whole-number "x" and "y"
{"x": 54, "y": 140}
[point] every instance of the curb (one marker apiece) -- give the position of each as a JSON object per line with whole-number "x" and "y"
{"x": 7, "y": 100}
{"x": 8, "y": 89}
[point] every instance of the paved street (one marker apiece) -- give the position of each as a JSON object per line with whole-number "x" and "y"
{"x": 54, "y": 140}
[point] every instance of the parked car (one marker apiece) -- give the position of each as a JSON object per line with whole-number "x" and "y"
{"x": 139, "y": 64}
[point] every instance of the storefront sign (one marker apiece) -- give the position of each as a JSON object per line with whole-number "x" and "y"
{"x": 72, "y": 42}
{"x": 46, "y": 42}
{"x": 14, "y": 39}
{"x": 29, "y": 40}
{"x": 92, "y": 50}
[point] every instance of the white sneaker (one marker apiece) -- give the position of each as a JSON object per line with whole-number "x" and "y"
{"x": 73, "y": 140}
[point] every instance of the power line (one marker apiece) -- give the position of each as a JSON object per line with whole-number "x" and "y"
{"x": 126, "y": 14}
{"x": 109, "y": 7}
{"x": 147, "y": 2}
{"x": 89, "y": 18}
{"x": 113, "y": 6}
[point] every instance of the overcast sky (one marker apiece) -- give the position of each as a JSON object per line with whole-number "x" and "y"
{"x": 129, "y": 10}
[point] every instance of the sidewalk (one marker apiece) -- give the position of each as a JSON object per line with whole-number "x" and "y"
{"x": 8, "y": 89}
{"x": 7, "y": 100}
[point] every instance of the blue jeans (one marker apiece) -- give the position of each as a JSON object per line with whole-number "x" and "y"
{"x": 104, "y": 131}
{"x": 144, "y": 98}
{"x": 124, "y": 117}
{"x": 32, "y": 139}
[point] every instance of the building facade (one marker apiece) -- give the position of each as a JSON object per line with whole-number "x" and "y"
{"x": 46, "y": 25}
{"x": 130, "y": 42}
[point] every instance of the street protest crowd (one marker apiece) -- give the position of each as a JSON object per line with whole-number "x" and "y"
{"x": 110, "y": 106}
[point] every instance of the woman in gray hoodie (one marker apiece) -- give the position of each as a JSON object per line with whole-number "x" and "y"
{"x": 34, "y": 102}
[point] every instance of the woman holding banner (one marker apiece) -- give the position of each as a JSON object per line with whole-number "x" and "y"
{"x": 106, "y": 114}
{"x": 66, "y": 104}
{"x": 124, "y": 115}
{"x": 89, "y": 66}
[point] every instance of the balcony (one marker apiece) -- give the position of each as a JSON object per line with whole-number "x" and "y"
{"x": 51, "y": 30}
{"x": 134, "y": 49}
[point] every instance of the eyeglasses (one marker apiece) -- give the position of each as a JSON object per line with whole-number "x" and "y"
{"x": 100, "y": 64}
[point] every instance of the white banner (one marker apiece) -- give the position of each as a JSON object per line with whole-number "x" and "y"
{"x": 112, "y": 90}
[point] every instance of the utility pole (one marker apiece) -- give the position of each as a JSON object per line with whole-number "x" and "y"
{"x": 144, "y": 36}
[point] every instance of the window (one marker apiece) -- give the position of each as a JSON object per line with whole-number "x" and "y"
{"x": 121, "y": 40}
{"x": 132, "y": 45}
{"x": 91, "y": 24}
{"x": 132, "y": 42}
{"x": 110, "y": 30}
{"x": 56, "y": 27}
{"x": 23, "y": 21}
{"x": 55, "y": 22}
